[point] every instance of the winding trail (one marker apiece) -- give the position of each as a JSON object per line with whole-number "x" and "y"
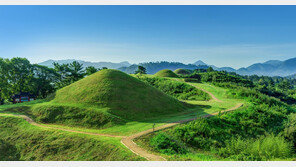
{"x": 32, "y": 122}
{"x": 211, "y": 94}
{"x": 128, "y": 140}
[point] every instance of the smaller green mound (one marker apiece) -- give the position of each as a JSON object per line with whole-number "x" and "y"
{"x": 166, "y": 73}
{"x": 179, "y": 90}
{"x": 182, "y": 71}
{"x": 75, "y": 115}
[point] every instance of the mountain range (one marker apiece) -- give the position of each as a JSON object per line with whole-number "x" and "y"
{"x": 268, "y": 68}
{"x": 49, "y": 63}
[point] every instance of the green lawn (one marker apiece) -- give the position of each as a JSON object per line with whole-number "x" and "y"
{"x": 37, "y": 143}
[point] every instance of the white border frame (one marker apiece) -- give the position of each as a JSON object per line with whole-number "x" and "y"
{"x": 144, "y": 163}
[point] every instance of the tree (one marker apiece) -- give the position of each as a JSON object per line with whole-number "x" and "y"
{"x": 76, "y": 71}
{"x": 90, "y": 70}
{"x": 44, "y": 80}
{"x": 63, "y": 73}
{"x": 4, "y": 85}
{"x": 141, "y": 70}
{"x": 68, "y": 73}
{"x": 284, "y": 85}
{"x": 210, "y": 69}
{"x": 20, "y": 75}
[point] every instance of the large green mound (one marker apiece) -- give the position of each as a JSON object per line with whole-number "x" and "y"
{"x": 118, "y": 94}
{"x": 182, "y": 71}
{"x": 166, "y": 73}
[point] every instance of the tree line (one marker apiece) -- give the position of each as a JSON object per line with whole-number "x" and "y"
{"x": 19, "y": 75}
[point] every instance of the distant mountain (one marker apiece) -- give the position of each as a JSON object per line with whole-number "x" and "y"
{"x": 268, "y": 68}
{"x": 273, "y": 62}
{"x": 110, "y": 65}
{"x": 271, "y": 68}
{"x": 154, "y": 67}
{"x": 228, "y": 69}
{"x": 199, "y": 62}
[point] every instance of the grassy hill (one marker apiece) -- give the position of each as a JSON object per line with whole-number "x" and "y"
{"x": 181, "y": 71}
{"x": 106, "y": 98}
{"x": 166, "y": 73}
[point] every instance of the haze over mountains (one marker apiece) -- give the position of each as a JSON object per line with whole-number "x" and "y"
{"x": 49, "y": 63}
{"x": 268, "y": 68}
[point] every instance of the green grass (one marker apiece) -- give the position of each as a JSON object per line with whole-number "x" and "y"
{"x": 202, "y": 108}
{"x": 196, "y": 155}
{"x": 181, "y": 71}
{"x": 221, "y": 94}
{"x": 34, "y": 143}
{"x": 166, "y": 73}
{"x": 31, "y": 103}
{"x": 124, "y": 95}
{"x": 179, "y": 90}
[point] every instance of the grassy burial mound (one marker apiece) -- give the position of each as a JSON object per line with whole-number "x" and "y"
{"x": 182, "y": 71}
{"x": 105, "y": 98}
{"x": 166, "y": 73}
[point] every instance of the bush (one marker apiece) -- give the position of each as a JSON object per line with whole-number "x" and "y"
{"x": 290, "y": 128}
{"x": 192, "y": 80}
{"x": 8, "y": 152}
{"x": 165, "y": 144}
{"x": 264, "y": 148}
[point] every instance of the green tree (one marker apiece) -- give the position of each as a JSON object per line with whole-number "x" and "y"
{"x": 90, "y": 70}
{"x": 284, "y": 85}
{"x": 210, "y": 69}
{"x": 68, "y": 73}
{"x": 76, "y": 71}
{"x": 141, "y": 70}
{"x": 4, "y": 85}
{"x": 20, "y": 75}
{"x": 44, "y": 80}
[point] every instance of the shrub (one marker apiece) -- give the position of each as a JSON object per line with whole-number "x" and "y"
{"x": 264, "y": 148}
{"x": 290, "y": 128}
{"x": 165, "y": 144}
{"x": 8, "y": 152}
{"x": 191, "y": 80}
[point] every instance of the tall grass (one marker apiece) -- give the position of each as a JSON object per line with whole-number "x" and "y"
{"x": 264, "y": 148}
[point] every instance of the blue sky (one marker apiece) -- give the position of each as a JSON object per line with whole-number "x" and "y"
{"x": 235, "y": 36}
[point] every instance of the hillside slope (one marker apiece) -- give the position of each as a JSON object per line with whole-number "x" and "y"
{"x": 108, "y": 96}
{"x": 166, "y": 73}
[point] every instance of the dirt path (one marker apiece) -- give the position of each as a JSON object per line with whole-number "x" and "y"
{"x": 213, "y": 97}
{"x": 128, "y": 141}
{"x": 211, "y": 94}
{"x": 32, "y": 122}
